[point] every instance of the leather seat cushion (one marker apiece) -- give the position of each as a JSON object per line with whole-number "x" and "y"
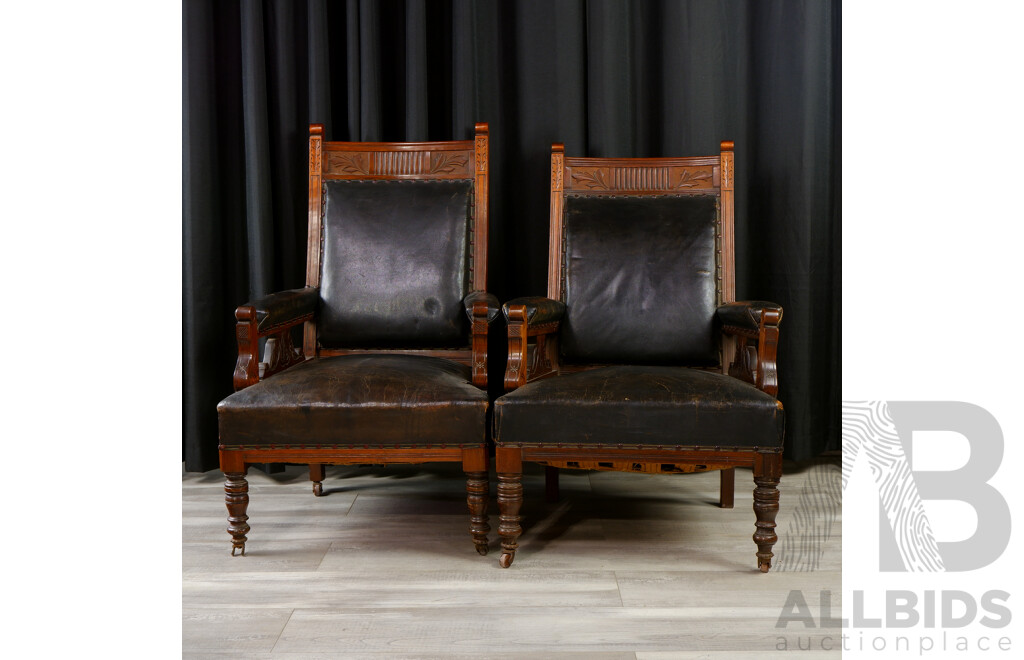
{"x": 359, "y": 400}
{"x": 630, "y": 406}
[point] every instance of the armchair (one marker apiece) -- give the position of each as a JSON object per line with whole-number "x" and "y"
{"x": 393, "y": 321}
{"x": 639, "y": 359}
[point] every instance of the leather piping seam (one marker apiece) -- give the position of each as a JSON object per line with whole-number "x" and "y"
{"x": 738, "y": 330}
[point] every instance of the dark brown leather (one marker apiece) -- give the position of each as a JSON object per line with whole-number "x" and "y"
{"x": 635, "y": 405}
{"x": 395, "y": 264}
{"x": 359, "y": 400}
{"x": 640, "y": 279}
{"x": 539, "y": 310}
{"x": 492, "y": 304}
{"x": 284, "y": 306}
{"x": 745, "y": 314}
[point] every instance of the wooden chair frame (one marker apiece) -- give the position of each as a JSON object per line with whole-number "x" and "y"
{"x": 746, "y": 354}
{"x": 466, "y": 159}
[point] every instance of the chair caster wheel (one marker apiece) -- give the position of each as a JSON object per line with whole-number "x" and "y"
{"x": 506, "y": 559}
{"x": 318, "y": 489}
{"x": 482, "y": 548}
{"x": 236, "y": 548}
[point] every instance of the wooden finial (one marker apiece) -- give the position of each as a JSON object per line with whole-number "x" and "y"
{"x": 727, "y": 145}
{"x": 316, "y": 129}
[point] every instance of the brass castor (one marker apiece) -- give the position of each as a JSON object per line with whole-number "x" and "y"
{"x": 482, "y": 548}
{"x": 238, "y": 547}
{"x": 506, "y": 559}
{"x": 318, "y": 489}
{"x": 764, "y": 565}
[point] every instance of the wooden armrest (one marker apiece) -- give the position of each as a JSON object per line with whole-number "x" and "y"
{"x": 271, "y": 316}
{"x": 759, "y": 321}
{"x": 482, "y": 308}
{"x": 531, "y": 317}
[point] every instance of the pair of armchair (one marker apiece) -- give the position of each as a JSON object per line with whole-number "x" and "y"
{"x": 621, "y": 367}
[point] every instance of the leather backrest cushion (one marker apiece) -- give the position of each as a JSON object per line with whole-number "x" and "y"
{"x": 395, "y": 263}
{"x": 640, "y": 279}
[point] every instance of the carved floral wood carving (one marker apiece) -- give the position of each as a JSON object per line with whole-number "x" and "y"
{"x": 398, "y": 163}
{"x": 481, "y": 154}
{"x": 641, "y": 178}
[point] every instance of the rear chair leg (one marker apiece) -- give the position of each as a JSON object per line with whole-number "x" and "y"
{"x": 236, "y": 496}
{"x": 551, "y": 484}
{"x": 727, "y": 488}
{"x": 316, "y": 475}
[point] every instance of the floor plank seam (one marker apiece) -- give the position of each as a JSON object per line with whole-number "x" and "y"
{"x": 283, "y": 628}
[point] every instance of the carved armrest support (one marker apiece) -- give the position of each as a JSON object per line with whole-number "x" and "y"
{"x": 757, "y": 321}
{"x": 531, "y": 317}
{"x": 272, "y": 317}
{"x": 482, "y": 308}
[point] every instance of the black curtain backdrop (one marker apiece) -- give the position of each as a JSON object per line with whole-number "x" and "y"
{"x": 606, "y": 77}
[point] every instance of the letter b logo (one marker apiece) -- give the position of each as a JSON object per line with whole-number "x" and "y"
{"x": 883, "y": 431}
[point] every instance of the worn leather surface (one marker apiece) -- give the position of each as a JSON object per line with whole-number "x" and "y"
{"x": 539, "y": 310}
{"x": 745, "y": 313}
{"x": 284, "y": 306}
{"x": 640, "y": 279}
{"x": 492, "y": 304}
{"x": 374, "y": 400}
{"x": 395, "y": 264}
{"x": 639, "y": 405}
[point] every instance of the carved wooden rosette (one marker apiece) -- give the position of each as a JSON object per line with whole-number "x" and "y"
{"x": 477, "y": 495}
{"x": 236, "y": 497}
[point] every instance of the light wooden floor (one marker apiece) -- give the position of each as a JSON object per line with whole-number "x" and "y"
{"x": 624, "y": 566}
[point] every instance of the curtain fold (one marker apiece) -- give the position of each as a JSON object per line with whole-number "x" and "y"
{"x": 605, "y": 77}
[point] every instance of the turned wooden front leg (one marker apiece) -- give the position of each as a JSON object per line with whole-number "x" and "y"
{"x": 236, "y": 496}
{"x": 510, "y": 499}
{"x": 767, "y": 471}
{"x": 478, "y": 493}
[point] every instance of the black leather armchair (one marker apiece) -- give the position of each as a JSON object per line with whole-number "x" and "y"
{"x": 628, "y": 363}
{"x": 393, "y": 321}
